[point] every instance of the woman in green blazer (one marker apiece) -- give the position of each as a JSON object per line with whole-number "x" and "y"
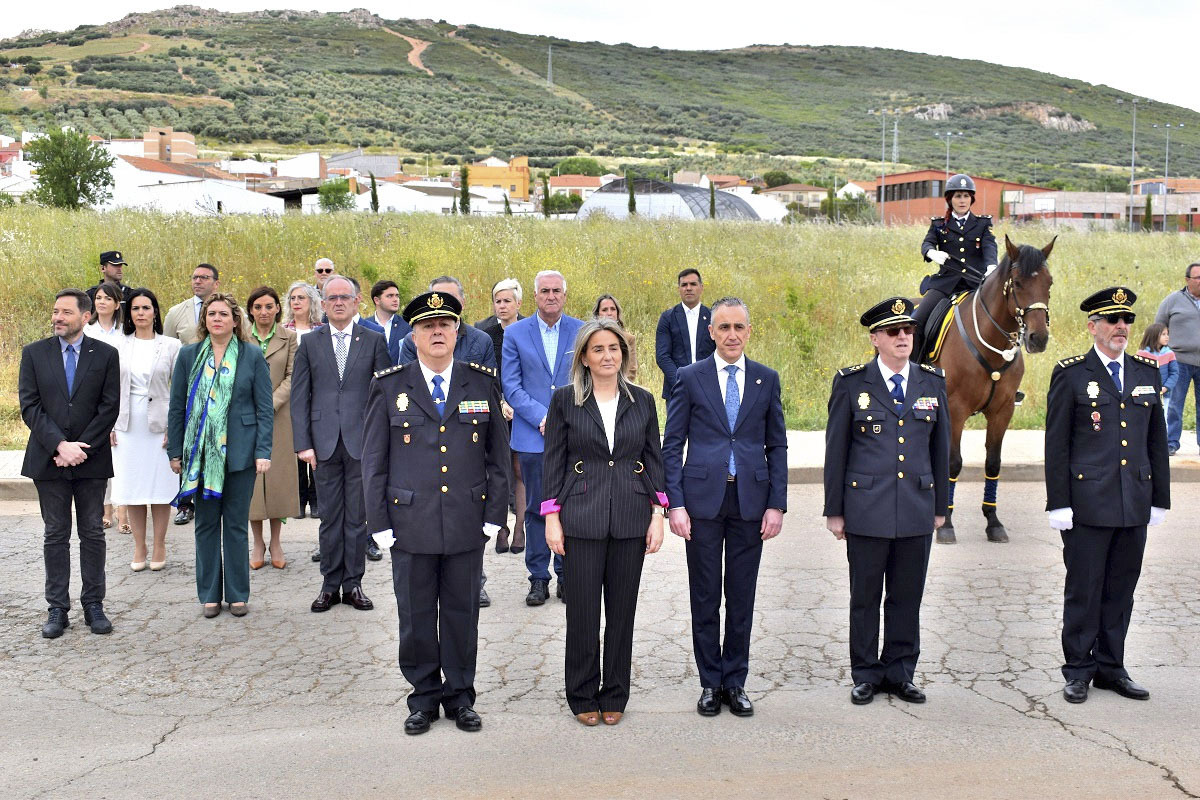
{"x": 219, "y": 429}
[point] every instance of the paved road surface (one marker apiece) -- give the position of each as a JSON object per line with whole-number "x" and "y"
{"x": 285, "y": 703}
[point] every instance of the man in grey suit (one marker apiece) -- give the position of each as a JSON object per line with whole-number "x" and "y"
{"x": 332, "y": 373}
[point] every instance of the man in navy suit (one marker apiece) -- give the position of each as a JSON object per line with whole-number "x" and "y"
{"x": 730, "y": 495}
{"x": 682, "y": 335}
{"x": 385, "y": 295}
{"x": 473, "y": 346}
{"x": 537, "y": 360}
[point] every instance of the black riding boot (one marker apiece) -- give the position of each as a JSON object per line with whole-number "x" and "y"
{"x": 921, "y": 312}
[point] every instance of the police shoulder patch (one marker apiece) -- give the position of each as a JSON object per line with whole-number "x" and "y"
{"x": 389, "y": 370}
{"x": 482, "y": 368}
{"x": 1072, "y": 361}
{"x": 851, "y": 370}
{"x": 930, "y": 368}
{"x": 1149, "y": 362}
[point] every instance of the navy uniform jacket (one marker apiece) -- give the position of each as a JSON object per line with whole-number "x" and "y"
{"x": 671, "y": 349}
{"x": 696, "y": 416}
{"x": 887, "y": 467}
{"x": 972, "y": 248}
{"x": 434, "y": 482}
{"x": 1106, "y": 453}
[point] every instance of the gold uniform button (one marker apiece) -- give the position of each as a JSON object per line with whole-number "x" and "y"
{"x": 483, "y": 497}
{"x": 1093, "y": 405}
{"x": 1122, "y": 405}
{"x": 901, "y": 456}
{"x": 445, "y": 469}
{"x": 610, "y": 463}
{"x": 1124, "y": 443}
{"x": 395, "y": 502}
{"x": 927, "y": 418}
{"x": 901, "y": 423}
{"x": 854, "y": 484}
{"x": 406, "y": 424}
{"x": 474, "y": 422}
{"x": 899, "y": 474}
{"x": 901, "y": 440}
{"x": 442, "y": 429}
{"x": 1123, "y": 423}
{"x": 1123, "y": 462}
{"x": 1079, "y": 476}
{"x": 869, "y": 418}
{"x": 962, "y": 249}
{"x": 445, "y": 489}
{"x": 443, "y": 448}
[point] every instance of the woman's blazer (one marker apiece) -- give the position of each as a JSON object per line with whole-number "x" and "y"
{"x": 166, "y": 350}
{"x": 599, "y": 494}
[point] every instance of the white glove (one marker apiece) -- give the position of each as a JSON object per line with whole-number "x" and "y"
{"x": 1157, "y": 515}
{"x": 490, "y": 529}
{"x": 990, "y": 269}
{"x": 384, "y": 539}
{"x": 937, "y": 257}
{"x": 1061, "y": 519}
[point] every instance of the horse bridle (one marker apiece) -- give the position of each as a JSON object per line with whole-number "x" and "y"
{"x": 1017, "y": 337}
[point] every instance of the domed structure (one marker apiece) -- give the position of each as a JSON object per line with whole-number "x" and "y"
{"x": 658, "y": 199}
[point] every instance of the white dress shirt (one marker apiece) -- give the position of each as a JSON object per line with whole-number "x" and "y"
{"x": 1120, "y": 362}
{"x": 608, "y": 413}
{"x": 348, "y": 330}
{"x": 888, "y": 373}
{"x": 723, "y": 376}
{"x": 428, "y": 374}
{"x": 196, "y": 304}
{"x": 692, "y": 315}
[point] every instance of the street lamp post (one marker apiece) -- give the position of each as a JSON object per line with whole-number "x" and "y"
{"x": 1132, "y": 156}
{"x": 948, "y": 135}
{"x": 1167, "y": 168}
{"x": 883, "y": 112}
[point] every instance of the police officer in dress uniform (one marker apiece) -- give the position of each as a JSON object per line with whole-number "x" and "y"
{"x": 435, "y": 458}
{"x": 963, "y": 247}
{"x": 887, "y": 469}
{"x": 1107, "y": 478}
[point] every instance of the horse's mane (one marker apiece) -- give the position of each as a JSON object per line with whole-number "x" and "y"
{"x": 1030, "y": 261}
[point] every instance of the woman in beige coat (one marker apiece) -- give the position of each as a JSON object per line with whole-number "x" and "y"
{"x": 275, "y": 493}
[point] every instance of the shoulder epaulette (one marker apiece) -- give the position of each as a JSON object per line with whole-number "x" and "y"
{"x": 930, "y": 368}
{"x": 1149, "y": 362}
{"x": 851, "y": 370}
{"x": 1073, "y": 360}
{"x": 389, "y": 370}
{"x": 937, "y": 219}
{"x": 985, "y": 216}
{"x": 482, "y": 368}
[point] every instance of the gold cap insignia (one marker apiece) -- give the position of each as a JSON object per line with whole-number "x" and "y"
{"x": 1119, "y": 296}
{"x": 864, "y": 400}
{"x": 898, "y": 307}
{"x": 436, "y": 301}
{"x": 402, "y": 401}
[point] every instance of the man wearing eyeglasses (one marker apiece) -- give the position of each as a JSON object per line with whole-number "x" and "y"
{"x": 182, "y": 318}
{"x": 1180, "y": 312}
{"x": 887, "y": 473}
{"x": 1107, "y": 478}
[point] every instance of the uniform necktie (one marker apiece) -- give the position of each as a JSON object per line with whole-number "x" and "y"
{"x": 439, "y": 397}
{"x": 1115, "y": 369}
{"x": 897, "y": 389}
{"x": 339, "y": 352}
{"x": 733, "y": 402}
{"x": 70, "y": 368}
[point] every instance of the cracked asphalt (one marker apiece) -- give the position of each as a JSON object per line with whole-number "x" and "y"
{"x": 286, "y": 703}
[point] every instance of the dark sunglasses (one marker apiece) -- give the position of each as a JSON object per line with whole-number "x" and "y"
{"x": 324, "y": 271}
{"x": 896, "y": 330}
{"x": 1113, "y": 319}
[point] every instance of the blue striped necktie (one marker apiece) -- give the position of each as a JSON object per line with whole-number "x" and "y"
{"x": 733, "y": 403}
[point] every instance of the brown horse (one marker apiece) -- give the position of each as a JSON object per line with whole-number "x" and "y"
{"x": 981, "y": 356}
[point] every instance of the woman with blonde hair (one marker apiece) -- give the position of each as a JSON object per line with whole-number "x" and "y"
{"x": 219, "y": 431}
{"x": 605, "y": 487}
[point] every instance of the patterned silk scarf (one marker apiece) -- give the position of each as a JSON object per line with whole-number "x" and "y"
{"x": 210, "y": 390}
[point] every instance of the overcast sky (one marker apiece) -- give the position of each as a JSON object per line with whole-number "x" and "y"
{"x": 1144, "y": 48}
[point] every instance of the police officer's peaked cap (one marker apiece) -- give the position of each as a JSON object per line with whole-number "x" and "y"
{"x": 112, "y": 257}
{"x": 893, "y": 311}
{"x": 430, "y": 305}
{"x": 1113, "y": 300}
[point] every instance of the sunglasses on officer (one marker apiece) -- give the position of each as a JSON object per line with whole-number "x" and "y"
{"x": 1112, "y": 319}
{"x": 896, "y": 330}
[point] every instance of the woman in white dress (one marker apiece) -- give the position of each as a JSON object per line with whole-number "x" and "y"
{"x": 141, "y": 470}
{"x": 106, "y": 327}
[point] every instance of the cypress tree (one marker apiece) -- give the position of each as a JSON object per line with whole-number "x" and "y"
{"x": 374, "y": 194}
{"x": 632, "y": 199}
{"x": 507, "y": 207}
{"x": 546, "y": 197}
{"x": 1148, "y": 214}
{"x": 712, "y": 200}
{"x": 464, "y": 201}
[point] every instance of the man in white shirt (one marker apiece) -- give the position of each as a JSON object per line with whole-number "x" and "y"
{"x": 385, "y": 294}
{"x": 681, "y": 337}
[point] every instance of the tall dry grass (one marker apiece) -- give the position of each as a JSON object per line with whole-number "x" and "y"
{"x": 805, "y": 284}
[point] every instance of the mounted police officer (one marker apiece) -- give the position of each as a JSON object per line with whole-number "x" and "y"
{"x": 435, "y": 460}
{"x": 962, "y": 245}
{"x": 1107, "y": 478}
{"x": 887, "y": 470}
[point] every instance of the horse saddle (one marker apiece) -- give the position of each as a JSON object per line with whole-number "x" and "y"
{"x": 936, "y": 326}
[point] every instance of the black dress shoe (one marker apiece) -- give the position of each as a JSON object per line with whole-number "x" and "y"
{"x": 56, "y": 623}
{"x": 559, "y": 591}
{"x": 185, "y": 514}
{"x": 465, "y": 719}
{"x": 419, "y": 722}
{"x": 325, "y": 601}
{"x": 1124, "y": 687}
{"x": 1075, "y": 691}
{"x": 484, "y": 600}
{"x": 93, "y": 615}
{"x": 356, "y": 598}
{"x": 314, "y": 511}
{"x": 301, "y": 515}
{"x": 709, "y": 704}
{"x": 907, "y": 691}
{"x": 739, "y": 704}
{"x": 862, "y": 693}
{"x": 316, "y": 555}
{"x": 373, "y": 551}
{"x": 539, "y": 592}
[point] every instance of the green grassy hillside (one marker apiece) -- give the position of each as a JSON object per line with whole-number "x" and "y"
{"x": 335, "y": 80}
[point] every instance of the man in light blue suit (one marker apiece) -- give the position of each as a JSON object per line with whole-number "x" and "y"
{"x": 536, "y": 359}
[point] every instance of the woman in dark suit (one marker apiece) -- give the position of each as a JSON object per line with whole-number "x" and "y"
{"x": 219, "y": 429}
{"x": 604, "y": 477}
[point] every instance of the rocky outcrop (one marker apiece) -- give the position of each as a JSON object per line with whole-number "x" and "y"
{"x": 1047, "y": 116}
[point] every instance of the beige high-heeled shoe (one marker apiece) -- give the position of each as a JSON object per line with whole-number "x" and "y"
{"x": 137, "y": 566}
{"x": 155, "y": 566}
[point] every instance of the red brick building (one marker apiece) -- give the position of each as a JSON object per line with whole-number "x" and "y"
{"x": 916, "y": 196}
